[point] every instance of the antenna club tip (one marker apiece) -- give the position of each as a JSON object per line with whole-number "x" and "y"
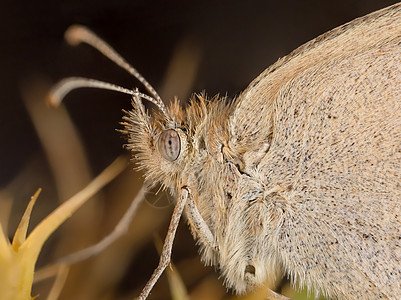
{"x": 52, "y": 100}
{"x": 74, "y": 33}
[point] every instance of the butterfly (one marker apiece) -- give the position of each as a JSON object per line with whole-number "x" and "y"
{"x": 300, "y": 175}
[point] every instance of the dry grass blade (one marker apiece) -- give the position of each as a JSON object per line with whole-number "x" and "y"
{"x": 58, "y": 285}
{"x": 40, "y": 234}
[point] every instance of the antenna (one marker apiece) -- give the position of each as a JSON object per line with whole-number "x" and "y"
{"x": 63, "y": 87}
{"x": 77, "y": 34}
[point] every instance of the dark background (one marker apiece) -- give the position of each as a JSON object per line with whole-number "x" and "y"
{"x": 237, "y": 41}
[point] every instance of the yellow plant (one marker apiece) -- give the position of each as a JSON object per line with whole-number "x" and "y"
{"x": 18, "y": 259}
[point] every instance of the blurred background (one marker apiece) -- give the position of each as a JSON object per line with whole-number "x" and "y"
{"x": 181, "y": 47}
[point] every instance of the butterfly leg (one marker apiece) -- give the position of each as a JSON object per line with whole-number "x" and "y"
{"x": 120, "y": 229}
{"x": 200, "y": 225}
{"x": 165, "y": 256}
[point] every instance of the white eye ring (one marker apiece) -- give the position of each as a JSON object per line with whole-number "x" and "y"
{"x": 169, "y": 144}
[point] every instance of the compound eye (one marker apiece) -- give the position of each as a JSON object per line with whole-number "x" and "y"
{"x": 169, "y": 144}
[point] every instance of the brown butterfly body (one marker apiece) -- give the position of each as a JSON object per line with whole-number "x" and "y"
{"x": 300, "y": 176}
{"x": 302, "y": 173}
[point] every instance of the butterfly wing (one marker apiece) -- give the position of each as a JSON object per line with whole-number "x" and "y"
{"x": 332, "y": 111}
{"x": 252, "y": 120}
